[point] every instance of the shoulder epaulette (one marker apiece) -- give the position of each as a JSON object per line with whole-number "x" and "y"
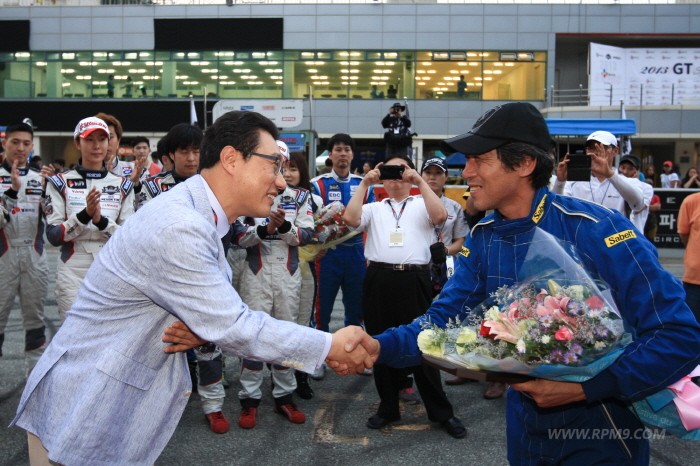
{"x": 58, "y": 182}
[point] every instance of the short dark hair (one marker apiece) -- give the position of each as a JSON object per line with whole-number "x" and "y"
{"x": 111, "y": 120}
{"x": 298, "y": 160}
{"x": 160, "y": 150}
{"x": 19, "y": 128}
{"x": 181, "y": 136}
{"x": 238, "y": 129}
{"x": 513, "y": 153}
{"x": 340, "y": 138}
{"x": 408, "y": 161}
{"x": 60, "y": 162}
{"x": 138, "y": 140}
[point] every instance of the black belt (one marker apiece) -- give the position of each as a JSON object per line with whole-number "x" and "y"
{"x": 401, "y": 267}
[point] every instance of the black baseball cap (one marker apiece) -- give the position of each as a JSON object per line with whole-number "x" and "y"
{"x": 434, "y": 162}
{"x": 512, "y": 122}
{"x": 632, "y": 159}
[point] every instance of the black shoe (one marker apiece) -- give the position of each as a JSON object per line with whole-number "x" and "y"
{"x": 454, "y": 427}
{"x": 303, "y": 389}
{"x": 377, "y": 421}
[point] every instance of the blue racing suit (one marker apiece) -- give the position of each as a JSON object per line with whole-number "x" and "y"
{"x": 343, "y": 266}
{"x": 666, "y": 336}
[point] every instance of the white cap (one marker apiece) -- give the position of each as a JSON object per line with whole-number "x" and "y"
{"x": 284, "y": 150}
{"x": 603, "y": 137}
{"x": 88, "y": 125}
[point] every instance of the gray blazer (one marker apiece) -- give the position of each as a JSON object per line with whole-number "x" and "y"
{"x": 104, "y": 392}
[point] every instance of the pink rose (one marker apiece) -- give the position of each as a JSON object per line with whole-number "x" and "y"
{"x": 564, "y": 334}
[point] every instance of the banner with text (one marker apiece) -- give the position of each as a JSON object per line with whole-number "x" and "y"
{"x": 283, "y": 113}
{"x": 643, "y": 76}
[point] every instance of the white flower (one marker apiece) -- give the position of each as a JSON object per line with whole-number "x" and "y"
{"x": 429, "y": 343}
{"x": 599, "y": 345}
{"x": 492, "y": 313}
{"x": 464, "y": 339}
{"x": 520, "y": 345}
{"x": 545, "y": 339}
{"x": 576, "y": 292}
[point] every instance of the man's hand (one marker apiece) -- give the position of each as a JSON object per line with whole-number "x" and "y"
{"x": 563, "y": 168}
{"x": 412, "y": 176}
{"x": 15, "y": 180}
{"x": 181, "y": 338}
{"x": 352, "y": 351}
{"x": 601, "y": 166}
{"x": 548, "y": 393}
{"x": 139, "y": 164}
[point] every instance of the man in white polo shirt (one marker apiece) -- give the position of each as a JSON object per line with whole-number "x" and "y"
{"x": 397, "y": 287}
{"x": 606, "y": 187}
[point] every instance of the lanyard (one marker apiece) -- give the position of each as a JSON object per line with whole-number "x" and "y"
{"x": 590, "y": 186}
{"x": 397, "y": 217}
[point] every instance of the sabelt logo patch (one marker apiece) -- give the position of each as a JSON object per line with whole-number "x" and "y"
{"x": 618, "y": 238}
{"x": 464, "y": 252}
{"x": 539, "y": 211}
{"x": 110, "y": 189}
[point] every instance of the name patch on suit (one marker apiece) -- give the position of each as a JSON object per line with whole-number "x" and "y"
{"x": 464, "y": 252}
{"x": 618, "y": 238}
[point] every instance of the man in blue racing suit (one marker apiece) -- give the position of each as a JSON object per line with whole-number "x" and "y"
{"x": 343, "y": 266}
{"x": 507, "y": 170}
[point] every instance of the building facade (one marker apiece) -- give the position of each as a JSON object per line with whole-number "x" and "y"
{"x": 141, "y": 62}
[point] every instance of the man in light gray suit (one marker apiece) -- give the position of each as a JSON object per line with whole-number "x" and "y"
{"x": 105, "y": 390}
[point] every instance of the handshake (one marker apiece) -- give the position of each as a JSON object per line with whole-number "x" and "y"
{"x": 352, "y": 350}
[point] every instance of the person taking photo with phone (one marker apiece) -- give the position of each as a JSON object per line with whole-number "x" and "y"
{"x": 397, "y": 287}
{"x": 605, "y": 186}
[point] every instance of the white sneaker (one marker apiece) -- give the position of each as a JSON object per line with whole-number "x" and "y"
{"x": 320, "y": 372}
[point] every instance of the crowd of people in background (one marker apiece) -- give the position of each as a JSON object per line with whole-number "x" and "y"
{"x": 81, "y": 207}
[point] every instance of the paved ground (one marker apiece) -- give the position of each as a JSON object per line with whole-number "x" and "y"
{"x": 335, "y": 432}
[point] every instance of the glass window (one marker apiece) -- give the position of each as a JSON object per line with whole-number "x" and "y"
{"x": 339, "y": 74}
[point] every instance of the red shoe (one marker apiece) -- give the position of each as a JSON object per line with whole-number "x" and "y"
{"x": 218, "y": 422}
{"x": 291, "y": 412}
{"x": 247, "y": 419}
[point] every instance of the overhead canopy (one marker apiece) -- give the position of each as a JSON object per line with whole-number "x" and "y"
{"x": 456, "y": 160}
{"x": 584, "y": 127}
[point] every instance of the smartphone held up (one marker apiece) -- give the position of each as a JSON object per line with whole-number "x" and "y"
{"x": 579, "y": 167}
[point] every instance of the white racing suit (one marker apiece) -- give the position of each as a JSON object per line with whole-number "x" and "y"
{"x": 271, "y": 283}
{"x": 209, "y": 370}
{"x": 309, "y": 286}
{"x": 71, "y": 228}
{"x": 23, "y": 269}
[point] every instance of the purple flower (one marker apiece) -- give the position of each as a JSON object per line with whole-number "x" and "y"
{"x": 570, "y": 358}
{"x": 577, "y": 349}
{"x": 556, "y": 355}
{"x": 574, "y": 308}
{"x": 546, "y": 321}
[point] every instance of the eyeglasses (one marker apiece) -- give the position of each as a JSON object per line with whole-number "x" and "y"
{"x": 277, "y": 160}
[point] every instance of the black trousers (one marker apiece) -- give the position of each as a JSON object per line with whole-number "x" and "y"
{"x": 389, "y": 299}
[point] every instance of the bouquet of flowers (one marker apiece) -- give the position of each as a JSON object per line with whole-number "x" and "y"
{"x": 558, "y": 324}
{"x": 329, "y": 231}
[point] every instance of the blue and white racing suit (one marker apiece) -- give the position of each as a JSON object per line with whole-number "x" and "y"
{"x": 343, "y": 267}
{"x": 666, "y": 336}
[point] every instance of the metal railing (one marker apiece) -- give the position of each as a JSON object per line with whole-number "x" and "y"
{"x": 650, "y": 95}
